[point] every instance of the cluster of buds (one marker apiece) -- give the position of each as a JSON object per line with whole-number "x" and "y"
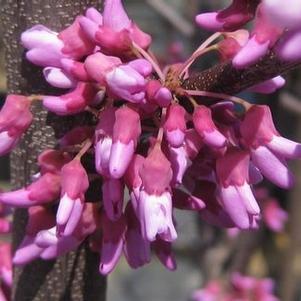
{"x": 240, "y": 288}
{"x": 154, "y": 144}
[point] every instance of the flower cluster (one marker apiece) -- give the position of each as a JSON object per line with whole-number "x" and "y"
{"x": 241, "y": 288}
{"x": 154, "y": 144}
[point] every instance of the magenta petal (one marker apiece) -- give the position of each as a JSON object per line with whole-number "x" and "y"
{"x": 112, "y": 190}
{"x": 46, "y": 238}
{"x": 288, "y": 48}
{"x": 255, "y": 175}
{"x": 88, "y": 26}
{"x": 235, "y": 207}
{"x": 110, "y": 254}
{"x": 27, "y": 251}
{"x": 136, "y": 249}
{"x": 55, "y": 104}
{"x": 7, "y": 143}
{"x": 102, "y": 155}
{"x": 64, "y": 210}
{"x": 250, "y": 53}
{"x": 285, "y": 147}
{"x": 163, "y": 97}
{"x": 44, "y": 58}
{"x": 58, "y": 78}
{"x": 120, "y": 158}
{"x": 94, "y": 15}
{"x": 272, "y": 167}
{"x": 63, "y": 246}
{"x": 40, "y": 36}
{"x": 269, "y": 86}
{"x": 74, "y": 218}
{"x": 248, "y": 198}
{"x": 214, "y": 138}
{"x": 17, "y": 198}
{"x": 142, "y": 66}
{"x": 114, "y": 16}
{"x": 209, "y": 21}
{"x": 175, "y": 138}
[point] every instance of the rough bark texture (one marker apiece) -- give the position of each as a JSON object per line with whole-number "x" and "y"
{"x": 74, "y": 276}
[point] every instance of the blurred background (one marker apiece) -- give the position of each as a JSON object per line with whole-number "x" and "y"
{"x": 202, "y": 251}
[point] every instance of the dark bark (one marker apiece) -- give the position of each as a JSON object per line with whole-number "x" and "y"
{"x": 74, "y": 276}
{"x": 224, "y": 78}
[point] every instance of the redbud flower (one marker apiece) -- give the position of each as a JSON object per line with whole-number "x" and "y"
{"x": 47, "y": 48}
{"x": 58, "y": 78}
{"x": 74, "y": 185}
{"x": 136, "y": 248}
{"x": 126, "y": 132}
{"x": 39, "y": 218}
{"x": 112, "y": 193}
{"x": 288, "y": 15}
{"x": 15, "y": 118}
{"x": 263, "y": 37}
{"x": 112, "y": 243}
{"x": 269, "y": 86}
{"x": 73, "y": 102}
{"x": 268, "y": 149}
{"x": 133, "y": 180}
{"x": 175, "y": 125}
{"x": 115, "y": 32}
{"x": 231, "y": 18}
{"x": 232, "y": 171}
{"x": 155, "y": 204}
{"x": 44, "y": 190}
{"x": 157, "y": 94}
{"x": 164, "y": 253}
{"x": 206, "y": 128}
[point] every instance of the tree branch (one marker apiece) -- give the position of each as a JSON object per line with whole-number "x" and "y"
{"x": 224, "y": 78}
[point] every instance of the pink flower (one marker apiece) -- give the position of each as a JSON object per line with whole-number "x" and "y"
{"x": 133, "y": 179}
{"x": 104, "y": 140}
{"x": 164, "y": 253}
{"x": 39, "y": 218}
{"x": 74, "y": 185}
{"x": 269, "y": 86}
{"x": 112, "y": 193}
{"x": 112, "y": 243}
{"x": 155, "y": 204}
{"x": 136, "y": 248}
{"x": 232, "y": 171}
{"x": 175, "y": 125}
{"x": 229, "y": 19}
{"x": 54, "y": 245}
{"x": 126, "y": 132}
{"x": 157, "y": 94}
{"x": 268, "y": 149}
{"x": 206, "y": 128}
{"x": 263, "y": 37}
{"x": 15, "y": 118}
{"x": 288, "y": 16}
{"x": 44, "y": 190}
{"x": 47, "y": 48}
{"x": 73, "y": 102}
{"x": 114, "y": 32}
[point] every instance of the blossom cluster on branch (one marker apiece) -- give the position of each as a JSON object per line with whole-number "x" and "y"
{"x": 155, "y": 145}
